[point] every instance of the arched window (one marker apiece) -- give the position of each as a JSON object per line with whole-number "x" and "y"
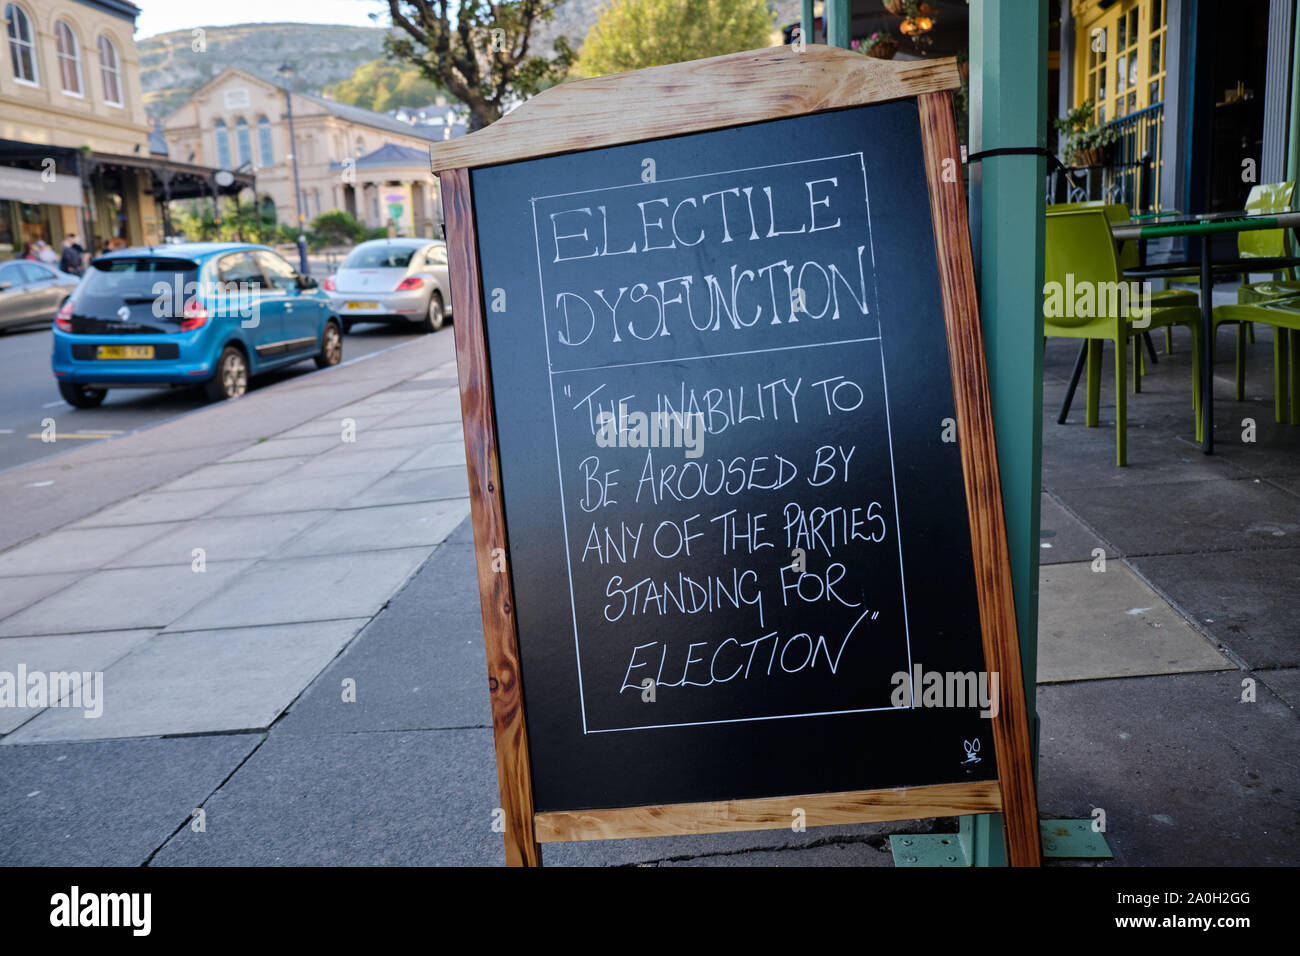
{"x": 69, "y": 54}
{"x": 264, "y": 140}
{"x": 361, "y": 145}
{"x": 22, "y": 45}
{"x": 110, "y": 71}
{"x": 223, "y": 145}
{"x": 244, "y": 140}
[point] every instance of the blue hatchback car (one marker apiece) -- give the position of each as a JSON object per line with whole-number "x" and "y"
{"x": 204, "y": 313}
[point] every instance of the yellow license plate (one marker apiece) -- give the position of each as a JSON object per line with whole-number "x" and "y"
{"x": 124, "y": 352}
{"x": 362, "y": 305}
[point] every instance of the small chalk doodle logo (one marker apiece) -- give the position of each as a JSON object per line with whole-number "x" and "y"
{"x": 972, "y": 752}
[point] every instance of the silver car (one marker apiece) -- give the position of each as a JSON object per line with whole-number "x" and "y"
{"x": 32, "y": 292}
{"x": 393, "y": 280}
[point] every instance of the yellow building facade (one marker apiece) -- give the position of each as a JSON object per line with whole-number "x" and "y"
{"x": 365, "y": 163}
{"x": 70, "y": 100}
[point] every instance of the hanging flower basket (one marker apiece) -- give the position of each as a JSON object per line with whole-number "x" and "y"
{"x": 882, "y": 46}
{"x": 1096, "y": 155}
{"x": 896, "y": 7}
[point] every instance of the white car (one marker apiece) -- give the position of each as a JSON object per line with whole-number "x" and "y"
{"x": 394, "y": 281}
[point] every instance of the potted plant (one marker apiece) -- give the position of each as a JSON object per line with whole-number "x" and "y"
{"x": 882, "y": 45}
{"x": 1085, "y": 144}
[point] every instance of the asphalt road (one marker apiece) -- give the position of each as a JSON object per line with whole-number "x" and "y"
{"x": 29, "y": 396}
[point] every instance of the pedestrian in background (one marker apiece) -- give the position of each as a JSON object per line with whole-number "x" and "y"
{"x": 45, "y": 254}
{"x": 73, "y": 255}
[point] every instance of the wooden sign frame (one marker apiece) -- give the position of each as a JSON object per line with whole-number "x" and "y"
{"x": 760, "y": 85}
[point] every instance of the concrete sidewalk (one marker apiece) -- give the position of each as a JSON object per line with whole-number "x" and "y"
{"x": 212, "y": 599}
{"x": 318, "y": 689}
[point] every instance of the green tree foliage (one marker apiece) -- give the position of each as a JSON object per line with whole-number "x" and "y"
{"x": 230, "y": 221}
{"x": 335, "y": 228}
{"x": 632, "y": 34}
{"x": 479, "y": 51}
{"x": 383, "y": 85}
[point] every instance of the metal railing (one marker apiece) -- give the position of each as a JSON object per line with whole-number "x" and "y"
{"x": 1132, "y": 172}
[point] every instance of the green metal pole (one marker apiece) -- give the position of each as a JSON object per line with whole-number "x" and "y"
{"x": 838, "y": 21}
{"x": 807, "y": 22}
{"x": 1008, "y": 107}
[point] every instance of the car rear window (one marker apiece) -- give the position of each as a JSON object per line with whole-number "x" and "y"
{"x": 112, "y": 281}
{"x": 379, "y": 257}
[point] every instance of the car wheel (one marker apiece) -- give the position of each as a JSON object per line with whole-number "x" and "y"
{"x": 331, "y": 346}
{"x": 79, "y": 396}
{"x": 231, "y": 380}
{"x": 437, "y": 317}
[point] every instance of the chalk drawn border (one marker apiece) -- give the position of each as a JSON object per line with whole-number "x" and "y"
{"x": 551, "y": 375}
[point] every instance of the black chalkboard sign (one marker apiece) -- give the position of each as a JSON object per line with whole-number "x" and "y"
{"x": 724, "y": 463}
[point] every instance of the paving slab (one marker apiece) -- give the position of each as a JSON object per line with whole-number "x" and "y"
{"x": 222, "y": 539}
{"x": 385, "y": 403}
{"x": 391, "y": 799}
{"x": 438, "y": 455}
{"x": 154, "y": 507}
{"x": 85, "y": 550}
{"x": 1248, "y": 600}
{"x": 292, "y": 493}
{"x": 122, "y": 599}
{"x": 283, "y": 448}
{"x": 1285, "y": 682}
{"x": 353, "y": 460}
{"x": 430, "y": 414}
{"x": 60, "y": 653}
{"x": 383, "y": 527}
{"x": 108, "y": 803}
{"x": 1190, "y": 517}
{"x": 333, "y": 424}
{"x": 22, "y": 592}
{"x": 200, "y": 682}
{"x": 412, "y": 436}
{"x": 1096, "y": 624}
{"x": 1063, "y": 538}
{"x": 290, "y": 590}
{"x": 464, "y": 534}
{"x": 1186, "y": 773}
{"x": 234, "y": 473}
{"x": 431, "y": 484}
{"x": 417, "y": 666}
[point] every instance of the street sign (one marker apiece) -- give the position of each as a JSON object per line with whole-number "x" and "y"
{"x": 738, "y": 522}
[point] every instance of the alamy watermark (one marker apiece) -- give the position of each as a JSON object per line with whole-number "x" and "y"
{"x": 922, "y": 688}
{"x": 1088, "y": 300}
{"x": 653, "y": 430}
{"x": 218, "y": 300}
{"x": 39, "y": 689}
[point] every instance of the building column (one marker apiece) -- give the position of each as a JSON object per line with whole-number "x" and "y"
{"x": 839, "y": 22}
{"x": 1277, "y": 90}
{"x": 1008, "y": 108}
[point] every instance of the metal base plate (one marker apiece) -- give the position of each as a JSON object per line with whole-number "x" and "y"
{"x": 1062, "y": 839}
{"x": 928, "y": 849}
{"x": 1072, "y": 840}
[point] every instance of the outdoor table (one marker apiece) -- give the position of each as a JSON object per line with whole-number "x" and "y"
{"x": 1201, "y": 226}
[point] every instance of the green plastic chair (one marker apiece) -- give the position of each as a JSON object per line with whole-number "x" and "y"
{"x": 1260, "y": 243}
{"x": 1129, "y": 259}
{"x": 1267, "y": 243}
{"x": 1283, "y": 314}
{"x": 1079, "y": 249}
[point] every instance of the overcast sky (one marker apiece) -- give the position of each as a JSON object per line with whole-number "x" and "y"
{"x": 163, "y": 16}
